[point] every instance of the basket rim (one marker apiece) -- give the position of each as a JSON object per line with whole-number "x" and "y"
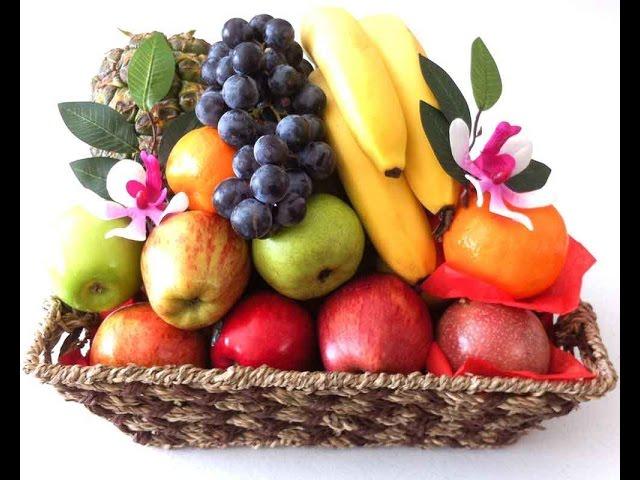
{"x": 581, "y": 322}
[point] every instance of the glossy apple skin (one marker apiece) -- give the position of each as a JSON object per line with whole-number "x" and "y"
{"x": 508, "y": 338}
{"x": 194, "y": 269}
{"x": 374, "y": 324}
{"x": 137, "y": 335}
{"x": 266, "y": 329}
{"x": 88, "y": 271}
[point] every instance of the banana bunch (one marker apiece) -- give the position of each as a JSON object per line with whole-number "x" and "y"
{"x": 392, "y": 216}
{"x": 372, "y": 68}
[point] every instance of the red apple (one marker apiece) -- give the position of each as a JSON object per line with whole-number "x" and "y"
{"x": 374, "y": 324}
{"x": 266, "y": 329}
{"x": 508, "y": 338}
{"x": 135, "y": 334}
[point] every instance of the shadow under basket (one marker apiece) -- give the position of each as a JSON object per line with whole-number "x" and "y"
{"x": 263, "y": 407}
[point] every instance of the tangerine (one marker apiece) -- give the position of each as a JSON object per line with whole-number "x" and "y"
{"x": 198, "y": 162}
{"x": 504, "y": 252}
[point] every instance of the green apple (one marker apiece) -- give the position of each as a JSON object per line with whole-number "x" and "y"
{"x": 89, "y": 272}
{"x": 316, "y": 256}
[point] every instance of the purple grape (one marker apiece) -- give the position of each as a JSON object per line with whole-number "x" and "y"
{"x": 299, "y": 183}
{"x": 224, "y": 69}
{"x": 269, "y": 184}
{"x": 305, "y": 67}
{"x": 247, "y": 58}
{"x": 278, "y": 34}
{"x": 251, "y": 219}
{"x": 293, "y": 54}
{"x": 266, "y": 127}
{"x": 236, "y": 31}
{"x": 210, "y": 108}
{"x": 228, "y": 194}
{"x": 310, "y": 99}
{"x": 294, "y": 130}
{"x": 284, "y": 80}
{"x": 208, "y": 72}
{"x": 259, "y": 24}
{"x": 270, "y": 149}
{"x": 218, "y": 50}
{"x": 240, "y": 91}
{"x": 272, "y": 59}
{"x": 318, "y": 160}
{"x": 316, "y": 127}
{"x": 237, "y": 128}
{"x": 291, "y": 210}
{"x": 244, "y": 163}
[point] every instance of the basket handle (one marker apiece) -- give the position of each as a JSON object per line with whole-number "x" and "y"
{"x": 579, "y": 329}
{"x": 60, "y": 319}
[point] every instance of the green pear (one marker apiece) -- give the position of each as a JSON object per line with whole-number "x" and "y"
{"x": 89, "y": 272}
{"x": 316, "y": 256}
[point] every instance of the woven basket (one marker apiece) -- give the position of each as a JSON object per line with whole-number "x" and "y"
{"x": 264, "y": 407}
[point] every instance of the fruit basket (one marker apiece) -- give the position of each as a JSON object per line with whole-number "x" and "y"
{"x": 185, "y": 406}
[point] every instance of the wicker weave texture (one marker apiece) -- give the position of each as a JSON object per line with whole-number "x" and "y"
{"x": 263, "y": 407}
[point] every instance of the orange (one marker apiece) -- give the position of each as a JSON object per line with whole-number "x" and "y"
{"x": 197, "y": 164}
{"x": 505, "y": 253}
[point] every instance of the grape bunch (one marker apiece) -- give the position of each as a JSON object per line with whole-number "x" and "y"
{"x": 260, "y": 101}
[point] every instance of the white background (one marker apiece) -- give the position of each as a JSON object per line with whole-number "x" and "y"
{"x": 559, "y": 62}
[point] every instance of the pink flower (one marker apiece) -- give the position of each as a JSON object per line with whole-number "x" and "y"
{"x": 503, "y": 156}
{"x": 138, "y": 194}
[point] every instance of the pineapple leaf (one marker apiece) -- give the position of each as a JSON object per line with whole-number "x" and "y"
{"x": 151, "y": 71}
{"x": 174, "y": 132}
{"x": 99, "y": 126}
{"x": 92, "y": 173}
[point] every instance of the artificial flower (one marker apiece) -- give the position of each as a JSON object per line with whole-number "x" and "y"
{"x": 138, "y": 193}
{"x": 505, "y": 154}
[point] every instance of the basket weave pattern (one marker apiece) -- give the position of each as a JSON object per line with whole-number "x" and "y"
{"x": 264, "y": 407}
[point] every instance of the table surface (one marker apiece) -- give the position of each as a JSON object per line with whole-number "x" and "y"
{"x": 559, "y": 63}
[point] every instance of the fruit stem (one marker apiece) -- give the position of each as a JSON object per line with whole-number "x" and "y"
{"x": 445, "y": 217}
{"x": 154, "y": 134}
{"x": 476, "y": 133}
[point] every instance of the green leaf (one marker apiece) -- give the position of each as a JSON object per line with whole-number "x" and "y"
{"x": 92, "y": 173}
{"x": 174, "y": 132}
{"x": 100, "y": 126}
{"x": 450, "y": 98}
{"x": 436, "y": 127}
{"x": 533, "y": 177}
{"x": 151, "y": 71}
{"x": 485, "y": 77}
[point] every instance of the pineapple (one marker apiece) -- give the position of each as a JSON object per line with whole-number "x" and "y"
{"x": 109, "y": 86}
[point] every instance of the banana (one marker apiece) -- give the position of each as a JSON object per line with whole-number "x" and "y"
{"x": 399, "y": 48}
{"x": 356, "y": 73}
{"x": 392, "y": 216}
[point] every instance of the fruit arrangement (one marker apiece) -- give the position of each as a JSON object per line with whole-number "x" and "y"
{"x": 251, "y": 206}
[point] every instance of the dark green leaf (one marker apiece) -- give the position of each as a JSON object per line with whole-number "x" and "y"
{"x": 151, "y": 71}
{"x": 174, "y": 132}
{"x": 485, "y": 77}
{"x": 100, "y": 126}
{"x": 436, "y": 127}
{"x": 450, "y": 98}
{"x": 531, "y": 178}
{"x": 92, "y": 173}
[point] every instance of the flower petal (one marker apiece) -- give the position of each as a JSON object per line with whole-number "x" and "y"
{"x": 179, "y": 203}
{"x": 497, "y": 206}
{"x": 501, "y": 134}
{"x": 534, "y": 199}
{"x": 154, "y": 175}
{"x": 136, "y": 230}
{"x": 521, "y": 149}
{"x": 101, "y": 208}
{"x": 119, "y": 176}
{"x": 478, "y": 187}
{"x": 459, "y": 141}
